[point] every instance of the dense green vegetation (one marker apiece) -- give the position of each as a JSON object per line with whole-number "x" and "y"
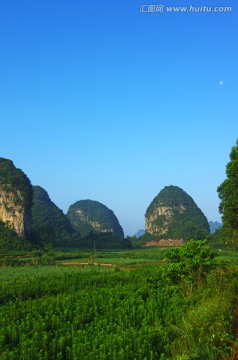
{"x": 175, "y": 305}
{"x": 228, "y": 193}
{"x": 49, "y": 224}
{"x": 91, "y": 216}
{"x": 96, "y": 303}
{"x": 9, "y": 240}
{"x": 15, "y": 181}
{"x": 102, "y": 241}
{"x": 186, "y": 221}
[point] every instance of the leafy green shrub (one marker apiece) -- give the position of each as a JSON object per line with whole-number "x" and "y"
{"x": 190, "y": 263}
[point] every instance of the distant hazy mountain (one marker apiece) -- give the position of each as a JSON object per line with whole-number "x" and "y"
{"x": 214, "y": 225}
{"x": 140, "y": 233}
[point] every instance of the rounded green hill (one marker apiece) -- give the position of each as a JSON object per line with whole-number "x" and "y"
{"x": 91, "y": 216}
{"x": 173, "y": 214}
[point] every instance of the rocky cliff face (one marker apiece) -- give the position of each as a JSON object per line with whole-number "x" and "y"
{"x": 13, "y": 215}
{"x": 15, "y": 198}
{"x": 160, "y": 219}
{"x": 173, "y": 214}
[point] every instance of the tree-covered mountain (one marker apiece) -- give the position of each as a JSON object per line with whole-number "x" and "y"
{"x": 50, "y": 224}
{"x": 173, "y": 214}
{"x": 15, "y": 198}
{"x": 89, "y": 216}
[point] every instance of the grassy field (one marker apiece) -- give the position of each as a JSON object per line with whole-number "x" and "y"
{"x": 147, "y": 304}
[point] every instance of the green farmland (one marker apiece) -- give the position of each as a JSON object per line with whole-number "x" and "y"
{"x": 146, "y": 304}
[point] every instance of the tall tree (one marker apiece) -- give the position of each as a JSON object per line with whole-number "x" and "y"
{"x": 228, "y": 194}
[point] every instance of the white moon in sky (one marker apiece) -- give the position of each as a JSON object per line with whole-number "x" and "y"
{"x": 221, "y": 82}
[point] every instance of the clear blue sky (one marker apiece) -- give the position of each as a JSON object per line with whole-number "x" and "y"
{"x": 101, "y": 101}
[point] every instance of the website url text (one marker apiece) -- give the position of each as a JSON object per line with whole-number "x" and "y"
{"x": 188, "y": 9}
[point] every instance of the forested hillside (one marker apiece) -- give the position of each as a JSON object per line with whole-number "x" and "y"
{"x": 173, "y": 214}
{"x": 91, "y": 216}
{"x": 50, "y": 225}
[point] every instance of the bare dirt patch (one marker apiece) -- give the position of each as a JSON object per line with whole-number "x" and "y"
{"x": 165, "y": 242}
{"x": 82, "y": 264}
